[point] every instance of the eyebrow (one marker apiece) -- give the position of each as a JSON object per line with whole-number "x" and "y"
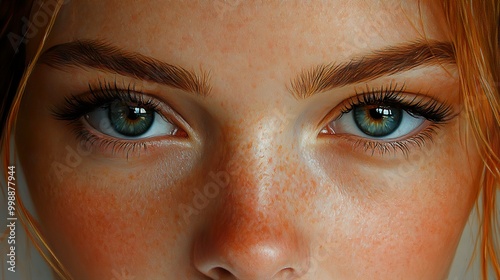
{"x": 385, "y": 62}
{"x": 103, "y": 56}
{"x": 388, "y": 61}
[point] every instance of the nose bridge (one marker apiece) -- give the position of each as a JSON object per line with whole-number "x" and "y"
{"x": 252, "y": 203}
{"x": 255, "y": 156}
{"x": 258, "y": 160}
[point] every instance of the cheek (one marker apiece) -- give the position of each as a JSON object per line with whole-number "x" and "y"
{"x": 109, "y": 221}
{"x": 112, "y": 221}
{"x": 418, "y": 231}
{"x": 396, "y": 217}
{"x": 99, "y": 218}
{"x": 95, "y": 223}
{"x": 405, "y": 235}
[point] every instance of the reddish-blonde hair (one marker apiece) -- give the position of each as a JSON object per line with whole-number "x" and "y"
{"x": 475, "y": 34}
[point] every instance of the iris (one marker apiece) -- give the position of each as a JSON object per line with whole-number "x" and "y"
{"x": 376, "y": 120}
{"x": 130, "y": 120}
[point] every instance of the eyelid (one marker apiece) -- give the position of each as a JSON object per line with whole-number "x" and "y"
{"x": 435, "y": 114}
{"x": 393, "y": 96}
{"x": 76, "y": 106}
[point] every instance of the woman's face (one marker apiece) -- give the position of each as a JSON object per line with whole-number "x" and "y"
{"x": 229, "y": 140}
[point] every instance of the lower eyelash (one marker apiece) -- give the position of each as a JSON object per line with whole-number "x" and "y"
{"x": 116, "y": 146}
{"x": 404, "y": 146}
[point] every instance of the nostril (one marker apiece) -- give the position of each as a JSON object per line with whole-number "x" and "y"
{"x": 239, "y": 244}
{"x": 221, "y": 273}
{"x": 287, "y": 273}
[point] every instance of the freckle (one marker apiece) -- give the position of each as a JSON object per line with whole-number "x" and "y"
{"x": 187, "y": 39}
{"x": 270, "y": 45}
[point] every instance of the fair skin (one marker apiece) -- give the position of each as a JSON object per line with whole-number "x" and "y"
{"x": 291, "y": 198}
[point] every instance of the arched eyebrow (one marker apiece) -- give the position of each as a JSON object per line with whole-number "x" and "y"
{"x": 103, "y": 56}
{"x": 385, "y": 62}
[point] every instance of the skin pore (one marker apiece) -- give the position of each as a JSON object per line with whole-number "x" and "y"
{"x": 252, "y": 184}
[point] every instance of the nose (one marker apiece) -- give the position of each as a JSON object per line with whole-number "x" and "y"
{"x": 253, "y": 231}
{"x": 245, "y": 243}
{"x": 252, "y": 234}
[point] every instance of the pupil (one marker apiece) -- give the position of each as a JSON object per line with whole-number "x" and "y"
{"x": 133, "y": 113}
{"x": 376, "y": 114}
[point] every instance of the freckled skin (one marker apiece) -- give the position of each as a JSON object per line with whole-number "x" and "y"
{"x": 291, "y": 204}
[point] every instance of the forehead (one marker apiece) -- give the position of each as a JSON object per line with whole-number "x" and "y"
{"x": 278, "y": 30}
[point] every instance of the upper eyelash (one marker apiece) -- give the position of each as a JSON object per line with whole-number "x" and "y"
{"x": 394, "y": 96}
{"x": 76, "y": 106}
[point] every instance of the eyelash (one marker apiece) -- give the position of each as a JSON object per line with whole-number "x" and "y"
{"x": 77, "y": 106}
{"x": 435, "y": 112}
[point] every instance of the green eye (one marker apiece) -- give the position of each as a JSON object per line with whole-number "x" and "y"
{"x": 377, "y": 121}
{"x": 130, "y": 120}
{"x": 125, "y": 120}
